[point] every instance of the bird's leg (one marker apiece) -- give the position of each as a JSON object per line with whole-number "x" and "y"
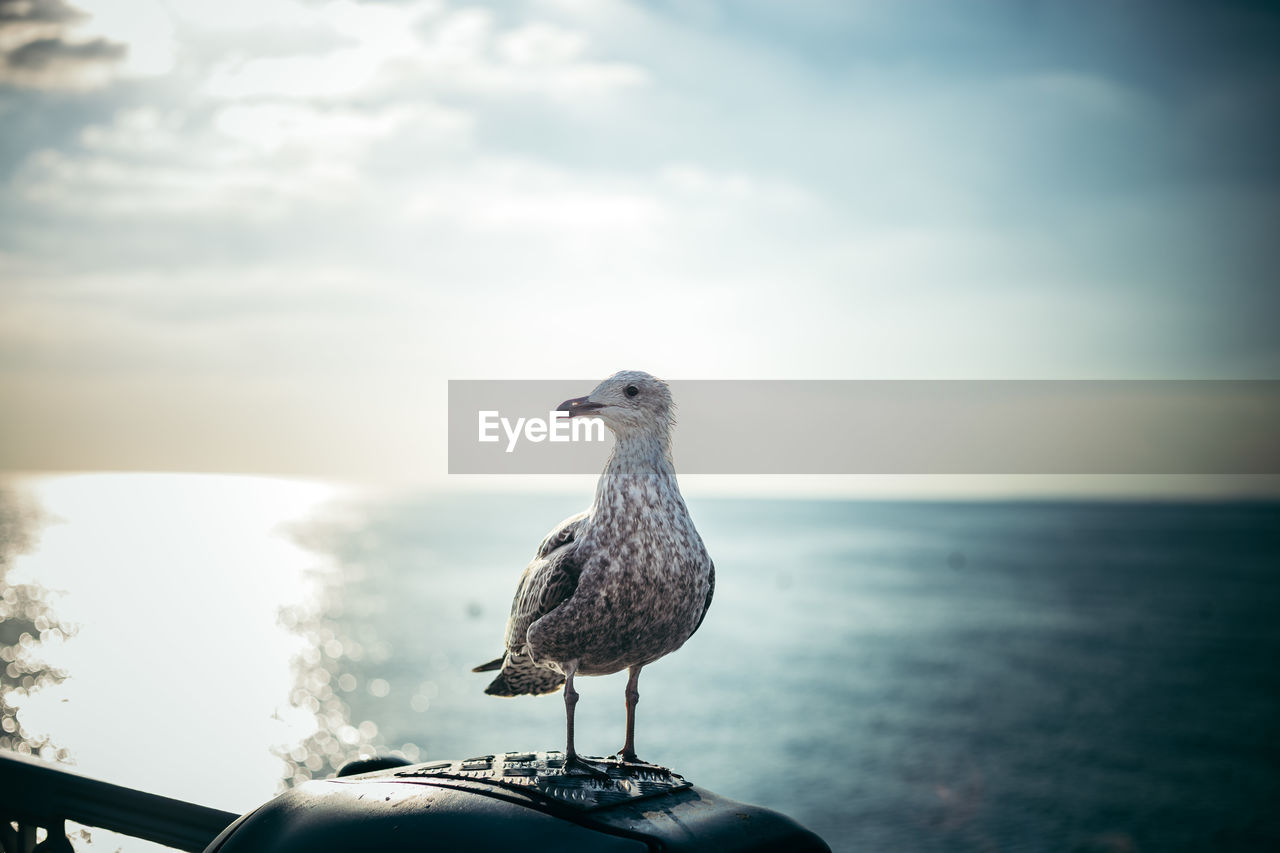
{"x": 628, "y": 751}
{"x": 574, "y": 765}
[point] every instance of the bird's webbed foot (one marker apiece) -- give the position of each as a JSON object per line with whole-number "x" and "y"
{"x": 575, "y": 765}
{"x": 629, "y": 757}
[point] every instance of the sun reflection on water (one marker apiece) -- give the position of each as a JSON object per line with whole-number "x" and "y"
{"x": 341, "y": 664}
{"x": 178, "y": 679}
{"x": 28, "y": 627}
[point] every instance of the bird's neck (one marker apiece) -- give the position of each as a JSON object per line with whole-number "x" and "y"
{"x": 640, "y": 457}
{"x": 641, "y": 452}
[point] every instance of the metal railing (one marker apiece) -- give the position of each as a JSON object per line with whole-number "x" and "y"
{"x": 35, "y": 794}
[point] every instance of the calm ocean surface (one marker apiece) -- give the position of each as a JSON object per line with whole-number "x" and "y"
{"x": 895, "y": 676}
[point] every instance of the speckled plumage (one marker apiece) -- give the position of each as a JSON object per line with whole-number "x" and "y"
{"x": 623, "y": 583}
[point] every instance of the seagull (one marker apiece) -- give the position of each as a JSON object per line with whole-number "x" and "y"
{"x": 619, "y": 585}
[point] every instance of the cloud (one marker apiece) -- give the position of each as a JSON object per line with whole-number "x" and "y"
{"x": 37, "y": 51}
{"x": 43, "y": 54}
{"x": 36, "y": 11}
{"x": 388, "y": 189}
{"x": 396, "y": 52}
{"x": 349, "y": 140}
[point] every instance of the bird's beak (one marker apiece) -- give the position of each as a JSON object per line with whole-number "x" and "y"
{"x": 579, "y": 406}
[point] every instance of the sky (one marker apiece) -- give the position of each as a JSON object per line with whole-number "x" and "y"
{"x": 261, "y": 235}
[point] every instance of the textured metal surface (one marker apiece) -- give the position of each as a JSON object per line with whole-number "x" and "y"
{"x": 514, "y": 800}
{"x": 544, "y": 773}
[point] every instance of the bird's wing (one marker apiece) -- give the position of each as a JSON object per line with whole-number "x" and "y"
{"x": 711, "y": 590}
{"x": 562, "y": 534}
{"x": 547, "y": 582}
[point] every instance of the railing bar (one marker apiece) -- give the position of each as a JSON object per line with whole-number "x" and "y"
{"x": 38, "y": 794}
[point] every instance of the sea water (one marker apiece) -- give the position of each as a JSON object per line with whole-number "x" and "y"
{"x": 895, "y": 676}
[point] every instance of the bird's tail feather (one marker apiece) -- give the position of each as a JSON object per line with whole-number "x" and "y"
{"x": 521, "y": 676}
{"x": 496, "y": 663}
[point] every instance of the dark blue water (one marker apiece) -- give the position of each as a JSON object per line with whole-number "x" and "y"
{"x": 896, "y": 676}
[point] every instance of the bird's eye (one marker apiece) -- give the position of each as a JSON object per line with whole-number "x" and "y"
{"x": 632, "y": 390}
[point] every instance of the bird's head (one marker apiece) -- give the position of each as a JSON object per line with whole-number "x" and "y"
{"x": 629, "y": 402}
